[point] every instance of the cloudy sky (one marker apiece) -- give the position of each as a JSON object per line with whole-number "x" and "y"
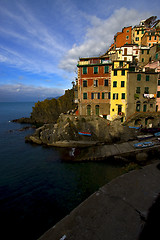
{"x": 42, "y": 40}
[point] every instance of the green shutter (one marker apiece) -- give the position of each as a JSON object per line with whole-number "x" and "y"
{"x": 84, "y": 70}
{"x": 147, "y": 78}
{"x": 138, "y": 77}
{"x": 84, "y": 95}
{"x": 95, "y": 70}
{"x": 106, "y": 69}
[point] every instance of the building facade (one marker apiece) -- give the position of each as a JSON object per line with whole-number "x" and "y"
{"x": 141, "y": 92}
{"x": 124, "y": 37}
{"x": 94, "y": 81}
{"x": 119, "y": 89}
{"x": 151, "y": 37}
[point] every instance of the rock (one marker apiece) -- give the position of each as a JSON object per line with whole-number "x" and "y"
{"x": 142, "y": 157}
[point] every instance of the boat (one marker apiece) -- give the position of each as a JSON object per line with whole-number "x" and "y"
{"x": 140, "y": 137}
{"x": 157, "y": 134}
{"x": 84, "y": 133}
{"x": 134, "y": 127}
{"x": 150, "y": 130}
{"x": 143, "y": 144}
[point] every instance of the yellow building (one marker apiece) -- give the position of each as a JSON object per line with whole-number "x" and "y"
{"x": 137, "y": 34}
{"x": 119, "y": 89}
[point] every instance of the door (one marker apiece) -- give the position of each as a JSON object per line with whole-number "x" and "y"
{"x": 119, "y": 109}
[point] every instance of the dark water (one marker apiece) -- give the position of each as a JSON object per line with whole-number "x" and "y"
{"x": 37, "y": 188}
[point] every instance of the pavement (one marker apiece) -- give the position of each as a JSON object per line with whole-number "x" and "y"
{"x": 117, "y": 211}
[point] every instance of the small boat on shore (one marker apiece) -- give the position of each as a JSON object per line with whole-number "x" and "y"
{"x": 84, "y": 133}
{"x": 141, "y": 137}
{"x": 157, "y": 134}
{"x": 143, "y": 144}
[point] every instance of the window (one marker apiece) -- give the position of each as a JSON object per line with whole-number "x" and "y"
{"x": 92, "y": 95}
{"x": 115, "y": 95}
{"x": 122, "y": 83}
{"x": 106, "y": 69}
{"x": 95, "y": 95}
{"x": 138, "y": 77}
{"x": 95, "y": 83}
{"x": 123, "y": 73}
{"x": 146, "y": 90}
{"x": 158, "y": 94}
{"x": 104, "y": 95}
{"x": 148, "y": 51}
{"x": 127, "y": 31}
{"x": 158, "y": 82}
{"x": 142, "y": 51}
{"x": 114, "y": 83}
{"x": 84, "y": 95}
{"x": 137, "y": 39}
{"x": 121, "y": 64}
{"x": 137, "y": 32}
{"x": 142, "y": 31}
{"x": 138, "y": 106}
{"x": 95, "y": 70}
{"x": 105, "y": 82}
{"x": 84, "y": 70}
{"x": 123, "y": 95}
{"x": 150, "y": 37}
{"x": 84, "y": 83}
{"x": 138, "y": 90}
{"x": 115, "y": 72}
{"x": 155, "y": 37}
{"x": 142, "y": 59}
{"x": 109, "y": 95}
{"x": 127, "y": 37}
{"x": 147, "y": 78}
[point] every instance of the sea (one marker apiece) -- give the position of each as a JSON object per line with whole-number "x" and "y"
{"x": 37, "y": 186}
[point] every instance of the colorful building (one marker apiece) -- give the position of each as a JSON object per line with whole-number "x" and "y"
{"x": 119, "y": 89}
{"x": 137, "y": 33}
{"x": 151, "y": 37}
{"x": 124, "y": 37}
{"x": 141, "y": 92}
{"x": 94, "y": 80}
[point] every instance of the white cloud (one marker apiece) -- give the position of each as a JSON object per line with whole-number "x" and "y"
{"x": 99, "y": 37}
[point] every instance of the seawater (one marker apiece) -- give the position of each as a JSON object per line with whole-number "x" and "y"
{"x": 37, "y": 188}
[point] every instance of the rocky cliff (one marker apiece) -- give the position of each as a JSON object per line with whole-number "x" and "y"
{"x": 48, "y": 111}
{"x": 65, "y": 132}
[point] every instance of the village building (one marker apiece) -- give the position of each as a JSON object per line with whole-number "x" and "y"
{"x": 119, "y": 89}
{"x": 151, "y": 37}
{"x": 141, "y": 92}
{"x": 138, "y": 32}
{"x": 144, "y": 56}
{"x": 124, "y": 37}
{"x": 94, "y": 81}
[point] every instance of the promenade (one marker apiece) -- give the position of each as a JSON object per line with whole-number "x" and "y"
{"x": 117, "y": 211}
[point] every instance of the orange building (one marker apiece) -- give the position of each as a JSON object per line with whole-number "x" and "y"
{"x": 94, "y": 82}
{"x": 124, "y": 37}
{"x": 151, "y": 37}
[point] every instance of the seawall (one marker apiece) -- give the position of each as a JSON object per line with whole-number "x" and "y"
{"x": 118, "y": 210}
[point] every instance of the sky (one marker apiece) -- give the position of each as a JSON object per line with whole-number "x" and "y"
{"x": 42, "y": 40}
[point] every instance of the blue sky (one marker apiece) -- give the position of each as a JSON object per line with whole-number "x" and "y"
{"x": 42, "y": 40}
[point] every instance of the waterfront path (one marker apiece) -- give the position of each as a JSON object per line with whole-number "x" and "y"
{"x": 117, "y": 211}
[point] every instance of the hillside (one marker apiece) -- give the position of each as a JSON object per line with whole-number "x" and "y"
{"x": 48, "y": 111}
